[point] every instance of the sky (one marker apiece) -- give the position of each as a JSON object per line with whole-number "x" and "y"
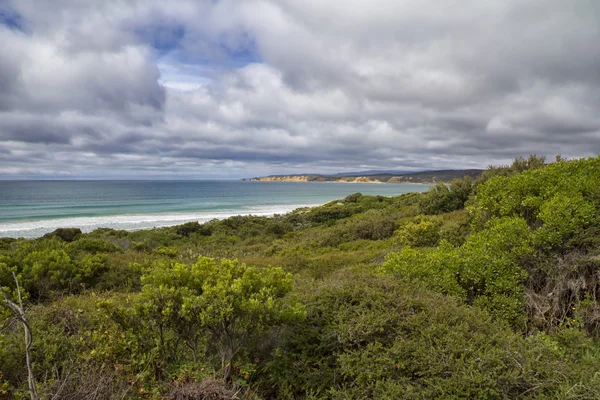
{"x": 219, "y": 89}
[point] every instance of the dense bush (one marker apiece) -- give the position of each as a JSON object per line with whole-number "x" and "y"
{"x": 376, "y": 337}
{"x": 93, "y": 246}
{"x": 526, "y": 193}
{"x": 193, "y": 227}
{"x": 184, "y": 312}
{"x": 66, "y": 234}
{"x": 485, "y": 270}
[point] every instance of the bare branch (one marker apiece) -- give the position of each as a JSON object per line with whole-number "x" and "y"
{"x": 18, "y": 312}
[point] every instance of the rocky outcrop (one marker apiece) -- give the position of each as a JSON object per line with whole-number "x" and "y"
{"x": 400, "y": 179}
{"x": 366, "y": 179}
{"x": 290, "y": 178}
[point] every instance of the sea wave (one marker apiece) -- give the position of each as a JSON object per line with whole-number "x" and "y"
{"x": 132, "y": 222}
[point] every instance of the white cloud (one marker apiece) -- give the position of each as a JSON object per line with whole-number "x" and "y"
{"x": 265, "y": 86}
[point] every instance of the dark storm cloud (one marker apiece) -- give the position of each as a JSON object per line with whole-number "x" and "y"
{"x": 229, "y": 88}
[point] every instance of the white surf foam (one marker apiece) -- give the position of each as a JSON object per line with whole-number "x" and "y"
{"x": 131, "y": 222}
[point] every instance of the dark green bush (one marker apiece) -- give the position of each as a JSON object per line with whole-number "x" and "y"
{"x": 352, "y": 198}
{"x": 444, "y": 198}
{"x": 93, "y": 246}
{"x": 66, "y": 234}
{"x": 188, "y": 228}
{"x": 376, "y": 337}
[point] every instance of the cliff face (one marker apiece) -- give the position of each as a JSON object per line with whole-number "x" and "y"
{"x": 415, "y": 177}
{"x": 400, "y": 179}
{"x": 291, "y": 178}
{"x": 360, "y": 179}
{"x": 307, "y": 178}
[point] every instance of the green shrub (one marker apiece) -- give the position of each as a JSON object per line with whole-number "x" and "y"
{"x": 444, "y": 198}
{"x": 188, "y": 228}
{"x": 330, "y": 214}
{"x": 455, "y": 227}
{"x": 437, "y": 268}
{"x": 525, "y": 194}
{"x": 140, "y": 246}
{"x": 88, "y": 245}
{"x": 422, "y": 231}
{"x": 225, "y": 303}
{"x": 47, "y": 271}
{"x": 563, "y": 216}
{"x": 352, "y": 198}
{"x": 378, "y": 337}
{"x": 487, "y": 265}
{"x": 170, "y": 252}
{"x": 66, "y": 234}
{"x": 372, "y": 225}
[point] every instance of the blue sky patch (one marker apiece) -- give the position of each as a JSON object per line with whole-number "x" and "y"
{"x": 226, "y": 52}
{"x": 11, "y": 19}
{"x": 239, "y": 57}
{"x": 163, "y": 38}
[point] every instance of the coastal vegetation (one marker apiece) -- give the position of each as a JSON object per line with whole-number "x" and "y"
{"x": 487, "y": 287}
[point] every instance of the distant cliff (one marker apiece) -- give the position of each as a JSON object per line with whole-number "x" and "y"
{"x": 416, "y": 177}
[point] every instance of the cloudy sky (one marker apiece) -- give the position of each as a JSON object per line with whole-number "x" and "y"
{"x": 230, "y": 89}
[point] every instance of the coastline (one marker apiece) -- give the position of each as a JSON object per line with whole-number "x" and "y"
{"x": 32, "y": 229}
{"x": 265, "y": 180}
{"x": 368, "y": 183}
{"x": 32, "y": 209}
{"x": 430, "y": 177}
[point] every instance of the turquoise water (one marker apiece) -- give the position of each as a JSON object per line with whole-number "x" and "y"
{"x": 32, "y": 208}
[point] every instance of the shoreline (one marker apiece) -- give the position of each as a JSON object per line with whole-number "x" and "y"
{"x": 164, "y": 204}
{"x": 33, "y": 229}
{"x": 346, "y": 182}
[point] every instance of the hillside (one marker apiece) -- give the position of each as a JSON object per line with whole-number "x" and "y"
{"x": 481, "y": 289}
{"x": 416, "y": 177}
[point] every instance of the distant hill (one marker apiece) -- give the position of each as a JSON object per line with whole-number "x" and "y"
{"x": 375, "y": 177}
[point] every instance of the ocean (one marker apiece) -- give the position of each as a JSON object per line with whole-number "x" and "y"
{"x": 32, "y": 208}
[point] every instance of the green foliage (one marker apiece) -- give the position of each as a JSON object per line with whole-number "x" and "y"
{"x": 193, "y": 227}
{"x": 166, "y": 251}
{"x": 519, "y": 165}
{"x": 66, "y": 234}
{"x": 490, "y": 270}
{"x": 372, "y": 225}
{"x": 352, "y": 198}
{"x": 44, "y": 272}
{"x": 437, "y": 268}
{"x": 378, "y": 337}
{"x": 93, "y": 246}
{"x": 484, "y": 271}
{"x": 526, "y": 193}
{"x": 455, "y": 227}
{"x": 422, "y": 231}
{"x": 226, "y": 302}
{"x": 6, "y": 243}
{"x": 444, "y": 198}
{"x": 563, "y": 216}
{"x": 330, "y": 214}
{"x": 48, "y": 271}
